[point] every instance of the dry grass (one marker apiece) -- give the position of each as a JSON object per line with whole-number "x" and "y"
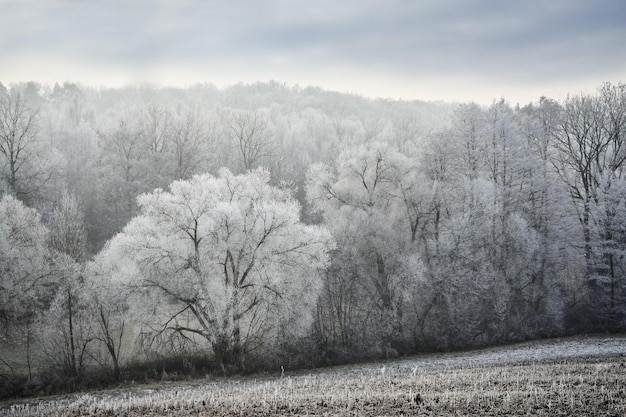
{"x": 575, "y": 386}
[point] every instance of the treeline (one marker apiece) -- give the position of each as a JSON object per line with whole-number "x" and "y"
{"x": 297, "y": 227}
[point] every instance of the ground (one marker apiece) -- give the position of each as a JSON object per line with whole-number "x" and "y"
{"x": 578, "y": 376}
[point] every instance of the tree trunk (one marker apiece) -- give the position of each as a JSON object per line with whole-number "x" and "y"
{"x": 70, "y": 314}
{"x": 229, "y": 353}
{"x": 109, "y": 341}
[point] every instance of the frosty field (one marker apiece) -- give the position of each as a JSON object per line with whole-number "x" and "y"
{"x": 577, "y": 376}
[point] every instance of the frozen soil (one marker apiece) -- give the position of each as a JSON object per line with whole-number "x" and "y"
{"x": 578, "y": 376}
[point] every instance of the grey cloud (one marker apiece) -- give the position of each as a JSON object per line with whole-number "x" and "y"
{"x": 478, "y": 35}
{"x": 489, "y": 38}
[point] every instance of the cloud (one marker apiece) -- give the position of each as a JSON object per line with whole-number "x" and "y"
{"x": 492, "y": 43}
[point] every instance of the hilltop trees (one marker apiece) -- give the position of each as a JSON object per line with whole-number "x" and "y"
{"x": 229, "y": 257}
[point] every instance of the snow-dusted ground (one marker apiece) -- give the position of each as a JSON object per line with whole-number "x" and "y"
{"x": 384, "y": 384}
{"x": 528, "y": 352}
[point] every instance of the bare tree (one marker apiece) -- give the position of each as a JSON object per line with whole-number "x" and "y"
{"x": 252, "y": 135}
{"x": 187, "y": 141}
{"x": 68, "y": 236}
{"x": 155, "y": 122}
{"x": 19, "y": 147}
{"x": 123, "y": 170}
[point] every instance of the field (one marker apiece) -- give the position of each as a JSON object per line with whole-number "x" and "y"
{"x": 578, "y": 376}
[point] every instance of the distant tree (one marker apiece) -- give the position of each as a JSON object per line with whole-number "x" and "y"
{"x": 156, "y": 123}
{"x": 407, "y": 133}
{"x": 467, "y": 140}
{"x": 72, "y": 102}
{"x": 229, "y": 258}
{"x": 189, "y": 143}
{"x": 67, "y": 228}
{"x": 123, "y": 171}
{"x": 24, "y": 157}
{"x": 252, "y": 135}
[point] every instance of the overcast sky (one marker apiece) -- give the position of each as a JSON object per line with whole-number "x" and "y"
{"x": 454, "y": 50}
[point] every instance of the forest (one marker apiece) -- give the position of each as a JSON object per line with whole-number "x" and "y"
{"x": 148, "y": 230}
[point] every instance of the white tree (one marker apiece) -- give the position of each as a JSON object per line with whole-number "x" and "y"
{"x": 548, "y": 213}
{"x": 591, "y": 155}
{"x": 106, "y": 299}
{"x": 65, "y": 326}
{"x": 26, "y": 271}
{"x": 230, "y": 252}
{"x": 363, "y": 203}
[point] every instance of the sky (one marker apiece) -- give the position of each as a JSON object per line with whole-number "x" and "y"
{"x": 452, "y": 50}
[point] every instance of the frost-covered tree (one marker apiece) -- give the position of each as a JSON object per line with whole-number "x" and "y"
{"x": 546, "y": 208}
{"x": 591, "y": 155}
{"x": 229, "y": 260}
{"x": 65, "y": 327}
{"x": 363, "y": 201}
{"x": 471, "y": 201}
{"x": 504, "y": 209}
{"x": 26, "y": 272}
{"x": 24, "y": 261}
{"x": 106, "y": 304}
{"x": 27, "y": 162}
{"x": 18, "y": 132}
{"x": 189, "y": 143}
{"x": 123, "y": 170}
{"x": 252, "y": 135}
